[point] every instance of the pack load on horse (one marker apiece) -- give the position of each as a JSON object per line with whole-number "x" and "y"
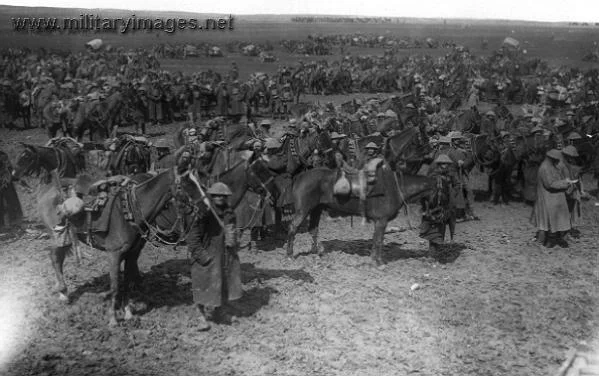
{"x": 129, "y": 155}
{"x": 314, "y": 191}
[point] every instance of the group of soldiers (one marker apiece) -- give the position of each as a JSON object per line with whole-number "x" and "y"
{"x": 217, "y": 105}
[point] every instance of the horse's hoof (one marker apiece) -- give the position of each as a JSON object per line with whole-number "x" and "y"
{"x": 318, "y": 250}
{"x": 128, "y": 314}
{"x": 378, "y": 261}
{"x": 105, "y": 295}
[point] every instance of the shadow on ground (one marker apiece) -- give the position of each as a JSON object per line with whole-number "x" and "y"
{"x": 169, "y": 285}
{"x": 391, "y": 251}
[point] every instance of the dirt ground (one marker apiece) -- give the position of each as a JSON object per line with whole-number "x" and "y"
{"x": 494, "y": 304}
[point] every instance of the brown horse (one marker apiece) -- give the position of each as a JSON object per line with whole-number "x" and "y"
{"x": 38, "y": 159}
{"x": 313, "y": 193}
{"x": 151, "y": 200}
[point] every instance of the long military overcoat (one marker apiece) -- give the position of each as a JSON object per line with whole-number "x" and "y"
{"x": 215, "y": 268}
{"x": 551, "y": 208}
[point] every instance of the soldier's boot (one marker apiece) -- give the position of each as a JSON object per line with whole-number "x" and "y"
{"x": 560, "y": 239}
{"x": 202, "y": 324}
{"x": 550, "y": 240}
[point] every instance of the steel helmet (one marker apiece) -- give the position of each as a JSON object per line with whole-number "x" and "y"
{"x": 554, "y": 153}
{"x": 570, "y": 151}
{"x": 536, "y": 129}
{"x": 391, "y": 114}
{"x": 574, "y": 136}
{"x": 443, "y": 158}
{"x": 371, "y": 145}
{"x": 219, "y": 189}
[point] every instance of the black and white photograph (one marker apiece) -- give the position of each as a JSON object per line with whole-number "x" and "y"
{"x": 343, "y": 188}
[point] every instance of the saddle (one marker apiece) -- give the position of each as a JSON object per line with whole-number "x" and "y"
{"x": 100, "y": 202}
{"x": 358, "y": 183}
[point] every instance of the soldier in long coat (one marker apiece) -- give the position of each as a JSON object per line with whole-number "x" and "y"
{"x": 439, "y": 212}
{"x": 551, "y": 215}
{"x": 215, "y": 266}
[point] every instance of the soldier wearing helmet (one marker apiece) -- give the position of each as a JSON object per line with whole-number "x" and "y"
{"x": 488, "y": 124}
{"x": 439, "y": 210}
{"x": 372, "y": 150}
{"x": 215, "y": 266}
{"x": 551, "y": 215}
{"x": 463, "y": 162}
{"x": 573, "y": 138}
{"x": 264, "y": 131}
{"x": 257, "y": 147}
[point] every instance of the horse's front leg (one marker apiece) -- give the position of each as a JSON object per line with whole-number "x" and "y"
{"x": 377, "y": 241}
{"x": 115, "y": 265}
{"x": 132, "y": 277}
{"x": 57, "y": 255}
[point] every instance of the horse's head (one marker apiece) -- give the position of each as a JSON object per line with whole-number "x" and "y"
{"x": 260, "y": 179}
{"x": 28, "y": 162}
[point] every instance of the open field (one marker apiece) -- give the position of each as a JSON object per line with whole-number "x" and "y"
{"x": 495, "y": 304}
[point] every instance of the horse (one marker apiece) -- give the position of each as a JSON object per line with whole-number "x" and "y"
{"x": 152, "y": 200}
{"x": 111, "y": 108}
{"x": 41, "y": 96}
{"x": 87, "y": 116}
{"x": 129, "y": 157}
{"x": 313, "y": 193}
{"x": 34, "y": 160}
{"x": 299, "y": 149}
{"x": 467, "y": 121}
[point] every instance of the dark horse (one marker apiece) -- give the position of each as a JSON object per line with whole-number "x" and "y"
{"x": 37, "y": 159}
{"x": 313, "y": 192}
{"x": 299, "y": 150}
{"x": 150, "y": 199}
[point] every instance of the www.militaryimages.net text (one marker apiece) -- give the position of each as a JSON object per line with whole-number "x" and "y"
{"x": 91, "y": 22}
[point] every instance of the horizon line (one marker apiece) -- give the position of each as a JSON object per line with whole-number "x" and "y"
{"x": 323, "y": 15}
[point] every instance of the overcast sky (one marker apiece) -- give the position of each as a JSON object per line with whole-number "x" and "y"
{"x": 536, "y": 10}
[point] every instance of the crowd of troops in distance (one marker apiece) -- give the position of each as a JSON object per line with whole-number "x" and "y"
{"x": 516, "y": 118}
